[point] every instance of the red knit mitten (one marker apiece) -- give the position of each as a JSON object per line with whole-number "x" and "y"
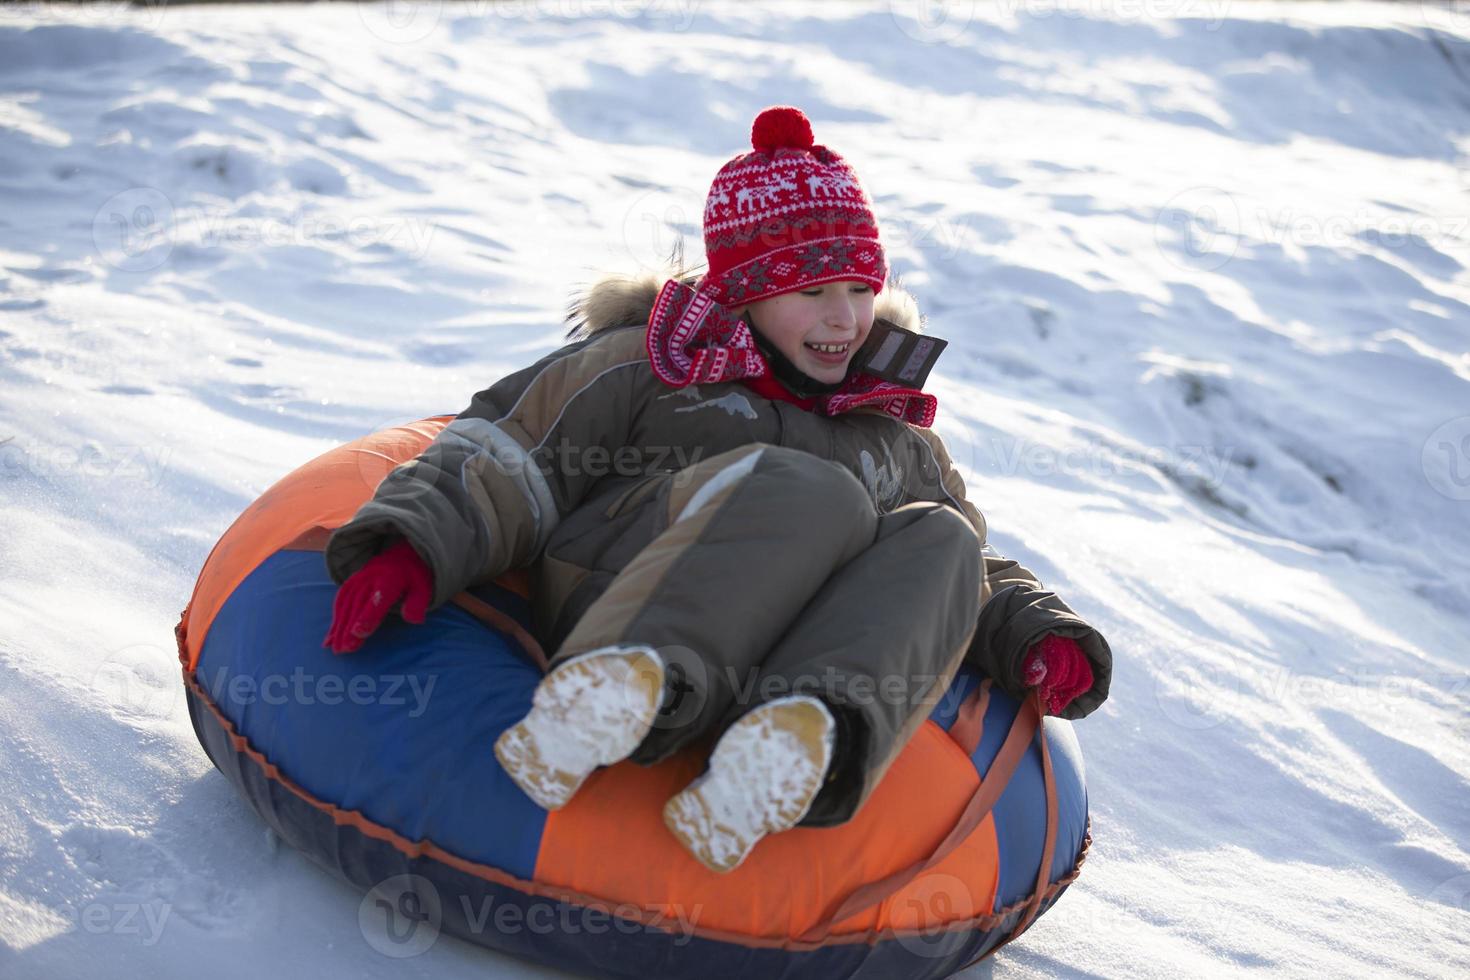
{"x": 364, "y": 600}
{"x": 1059, "y": 667}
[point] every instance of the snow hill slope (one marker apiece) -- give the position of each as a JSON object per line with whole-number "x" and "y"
{"x": 1203, "y": 266}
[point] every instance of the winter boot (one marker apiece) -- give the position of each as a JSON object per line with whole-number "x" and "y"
{"x": 592, "y": 710}
{"x": 762, "y": 778}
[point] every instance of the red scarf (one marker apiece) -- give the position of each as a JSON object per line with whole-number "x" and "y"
{"x": 694, "y": 340}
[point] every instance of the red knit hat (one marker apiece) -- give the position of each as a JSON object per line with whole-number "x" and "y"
{"x": 788, "y": 215}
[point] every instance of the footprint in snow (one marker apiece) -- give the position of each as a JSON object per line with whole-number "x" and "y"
{"x": 130, "y": 864}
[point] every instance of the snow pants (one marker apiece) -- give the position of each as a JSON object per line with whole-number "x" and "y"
{"x": 765, "y": 572}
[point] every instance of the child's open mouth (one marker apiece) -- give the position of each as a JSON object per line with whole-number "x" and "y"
{"x": 829, "y": 353}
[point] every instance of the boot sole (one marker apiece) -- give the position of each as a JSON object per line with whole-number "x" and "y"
{"x": 591, "y": 711}
{"x": 762, "y": 778}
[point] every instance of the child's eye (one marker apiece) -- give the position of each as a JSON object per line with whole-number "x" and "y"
{"x": 818, "y": 290}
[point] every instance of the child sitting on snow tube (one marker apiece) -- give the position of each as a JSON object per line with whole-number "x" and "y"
{"x": 802, "y": 585}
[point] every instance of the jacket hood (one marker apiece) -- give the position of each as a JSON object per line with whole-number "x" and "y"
{"x": 625, "y": 301}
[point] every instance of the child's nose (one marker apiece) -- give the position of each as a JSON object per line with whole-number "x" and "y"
{"x": 840, "y": 314}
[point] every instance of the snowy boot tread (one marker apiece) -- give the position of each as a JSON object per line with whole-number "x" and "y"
{"x": 592, "y": 710}
{"x": 762, "y": 778}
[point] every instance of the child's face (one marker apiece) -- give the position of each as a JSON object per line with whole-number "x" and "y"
{"x": 833, "y": 315}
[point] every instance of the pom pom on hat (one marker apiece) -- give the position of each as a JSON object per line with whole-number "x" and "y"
{"x": 781, "y": 126}
{"x": 788, "y": 214}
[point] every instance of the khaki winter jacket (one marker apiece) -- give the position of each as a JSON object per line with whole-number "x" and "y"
{"x": 590, "y": 424}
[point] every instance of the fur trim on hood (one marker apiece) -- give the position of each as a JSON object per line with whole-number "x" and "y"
{"x": 626, "y": 301}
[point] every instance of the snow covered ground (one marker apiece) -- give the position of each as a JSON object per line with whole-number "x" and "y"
{"x": 1203, "y": 265}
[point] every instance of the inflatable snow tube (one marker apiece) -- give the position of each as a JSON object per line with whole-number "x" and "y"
{"x": 378, "y": 766}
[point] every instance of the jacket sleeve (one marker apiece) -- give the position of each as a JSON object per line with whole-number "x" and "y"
{"x": 1016, "y": 611}
{"x": 485, "y": 494}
